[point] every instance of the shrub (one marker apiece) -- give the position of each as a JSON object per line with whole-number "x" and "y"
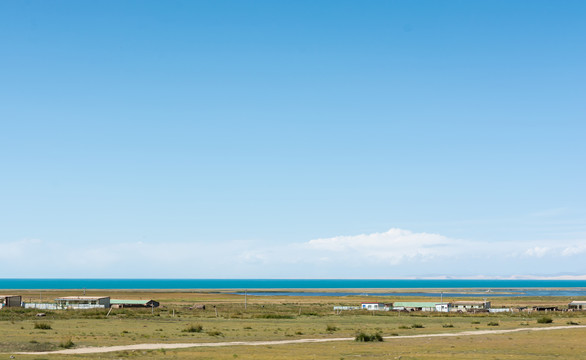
{"x": 493, "y": 323}
{"x": 331, "y": 328}
{"x": 448, "y": 325}
{"x": 193, "y": 328}
{"x": 404, "y": 327}
{"x": 66, "y": 344}
{"x": 215, "y": 333}
{"x": 544, "y": 320}
{"x": 274, "y": 316}
{"x": 417, "y": 326}
{"x": 363, "y": 337}
{"x": 42, "y": 326}
{"x": 572, "y": 323}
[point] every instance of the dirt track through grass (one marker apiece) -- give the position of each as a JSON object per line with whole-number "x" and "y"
{"x": 95, "y": 350}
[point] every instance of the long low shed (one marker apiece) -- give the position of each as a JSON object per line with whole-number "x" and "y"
{"x": 83, "y": 302}
{"x": 577, "y": 305}
{"x": 120, "y": 303}
{"x": 420, "y": 306}
{"x": 471, "y": 305}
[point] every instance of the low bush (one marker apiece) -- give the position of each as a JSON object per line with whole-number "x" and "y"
{"x": 197, "y": 328}
{"x": 274, "y": 316}
{"x": 544, "y": 320}
{"x": 448, "y": 325}
{"x": 215, "y": 333}
{"x": 572, "y": 323}
{"x": 363, "y": 337}
{"x": 417, "y": 326}
{"x": 493, "y": 323}
{"x": 42, "y": 326}
{"x": 331, "y": 328}
{"x": 66, "y": 344}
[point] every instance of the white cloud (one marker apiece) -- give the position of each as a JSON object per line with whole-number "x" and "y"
{"x": 392, "y": 247}
{"x": 574, "y": 250}
{"x": 17, "y": 249}
{"x": 394, "y": 253}
{"x": 537, "y": 251}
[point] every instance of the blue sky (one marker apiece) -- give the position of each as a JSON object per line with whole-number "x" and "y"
{"x": 303, "y": 139}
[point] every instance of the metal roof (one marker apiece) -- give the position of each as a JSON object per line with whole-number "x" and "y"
{"x": 414, "y": 304}
{"x": 82, "y": 298}
{"x": 129, "y": 302}
{"x": 575, "y": 302}
{"x": 372, "y": 303}
{"x": 470, "y": 302}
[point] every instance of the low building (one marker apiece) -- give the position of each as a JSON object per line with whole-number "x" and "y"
{"x": 346, "y": 308}
{"x": 415, "y": 306}
{"x": 83, "y": 302}
{"x": 118, "y": 303}
{"x": 42, "y": 306}
{"x": 443, "y": 307}
{"x": 10, "y": 301}
{"x": 577, "y": 305}
{"x": 545, "y": 308}
{"x": 499, "y": 310}
{"x": 373, "y": 306}
{"x": 470, "y": 306}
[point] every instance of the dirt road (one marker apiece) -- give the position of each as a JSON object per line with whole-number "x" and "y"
{"x": 93, "y": 350}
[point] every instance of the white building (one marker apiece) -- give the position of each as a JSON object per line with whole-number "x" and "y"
{"x": 83, "y": 302}
{"x": 471, "y": 305}
{"x": 373, "y": 306}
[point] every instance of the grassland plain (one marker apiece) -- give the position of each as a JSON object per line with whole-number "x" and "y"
{"x": 281, "y": 318}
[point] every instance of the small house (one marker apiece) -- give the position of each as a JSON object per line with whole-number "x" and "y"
{"x": 83, "y": 302}
{"x": 118, "y": 303}
{"x": 10, "y": 301}
{"x": 443, "y": 307}
{"x": 415, "y": 306}
{"x": 577, "y": 305}
{"x": 373, "y": 306}
{"x": 471, "y": 306}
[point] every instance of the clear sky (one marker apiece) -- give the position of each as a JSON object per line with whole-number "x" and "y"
{"x": 300, "y": 139}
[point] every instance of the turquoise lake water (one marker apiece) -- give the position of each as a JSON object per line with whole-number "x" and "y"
{"x": 575, "y": 286}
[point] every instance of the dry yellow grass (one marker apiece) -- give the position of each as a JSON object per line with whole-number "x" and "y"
{"x": 276, "y": 318}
